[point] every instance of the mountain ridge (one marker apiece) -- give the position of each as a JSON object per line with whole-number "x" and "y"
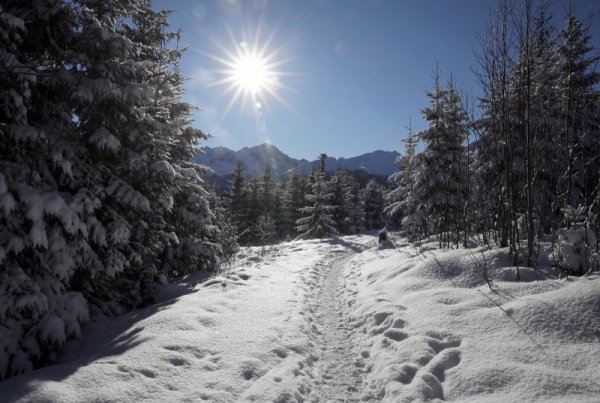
{"x": 223, "y": 160}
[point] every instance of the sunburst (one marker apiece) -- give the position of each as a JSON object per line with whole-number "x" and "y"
{"x": 251, "y": 73}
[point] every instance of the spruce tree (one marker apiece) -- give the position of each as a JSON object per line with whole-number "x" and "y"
{"x": 237, "y": 199}
{"x": 317, "y": 221}
{"x": 400, "y": 201}
{"x": 578, "y": 98}
{"x": 337, "y": 186}
{"x": 438, "y": 184}
{"x": 44, "y": 217}
{"x": 354, "y": 207}
{"x": 100, "y": 200}
{"x": 295, "y": 200}
{"x": 374, "y": 204}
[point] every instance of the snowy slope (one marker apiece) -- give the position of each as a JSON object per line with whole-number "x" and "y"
{"x": 341, "y": 320}
{"x": 434, "y": 330}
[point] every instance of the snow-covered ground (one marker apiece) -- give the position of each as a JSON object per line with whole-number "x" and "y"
{"x": 341, "y": 320}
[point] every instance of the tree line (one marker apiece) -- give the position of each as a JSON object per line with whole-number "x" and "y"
{"x": 522, "y": 168}
{"x": 267, "y": 210}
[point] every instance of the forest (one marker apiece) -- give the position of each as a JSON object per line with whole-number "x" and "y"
{"x": 101, "y": 203}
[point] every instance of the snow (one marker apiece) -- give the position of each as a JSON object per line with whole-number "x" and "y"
{"x": 105, "y": 140}
{"x": 339, "y": 320}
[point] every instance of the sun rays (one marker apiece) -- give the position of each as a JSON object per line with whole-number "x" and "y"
{"x": 250, "y": 73}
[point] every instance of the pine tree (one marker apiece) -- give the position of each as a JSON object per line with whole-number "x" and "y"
{"x": 374, "y": 204}
{"x": 254, "y": 211}
{"x": 317, "y": 221}
{"x": 438, "y": 182}
{"x": 294, "y": 199}
{"x": 237, "y": 199}
{"x": 337, "y": 186}
{"x": 43, "y": 231}
{"x": 579, "y": 129}
{"x": 354, "y": 206}
{"x": 278, "y": 213}
{"x": 100, "y": 201}
{"x": 267, "y": 191}
{"x": 400, "y": 201}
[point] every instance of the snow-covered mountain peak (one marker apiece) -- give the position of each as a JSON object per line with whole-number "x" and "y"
{"x": 254, "y": 160}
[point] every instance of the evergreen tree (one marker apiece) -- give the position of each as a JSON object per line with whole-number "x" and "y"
{"x": 99, "y": 201}
{"x": 578, "y": 96}
{"x": 278, "y": 213}
{"x": 438, "y": 182}
{"x": 294, "y": 199}
{"x": 44, "y": 220}
{"x": 267, "y": 193}
{"x": 317, "y": 221}
{"x": 400, "y": 201}
{"x": 254, "y": 211}
{"x": 354, "y": 207}
{"x": 374, "y": 204}
{"x": 338, "y": 186}
{"x": 237, "y": 199}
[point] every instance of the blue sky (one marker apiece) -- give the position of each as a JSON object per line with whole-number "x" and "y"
{"x": 353, "y": 72}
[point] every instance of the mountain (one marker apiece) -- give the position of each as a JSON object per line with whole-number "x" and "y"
{"x": 254, "y": 160}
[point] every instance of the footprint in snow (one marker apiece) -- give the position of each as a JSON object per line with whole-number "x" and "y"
{"x": 280, "y": 352}
{"x": 178, "y": 361}
{"x": 147, "y": 373}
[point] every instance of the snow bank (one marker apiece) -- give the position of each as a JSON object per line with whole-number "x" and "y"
{"x": 432, "y": 329}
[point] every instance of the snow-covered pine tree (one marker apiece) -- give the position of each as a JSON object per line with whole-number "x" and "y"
{"x": 317, "y": 221}
{"x": 400, "y": 201}
{"x": 91, "y": 102}
{"x": 278, "y": 212}
{"x": 337, "y": 186}
{"x": 225, "y": 238}
{"x": 578, "y": 78}
{"x": 294, "y": 199}
{"x": 457, "y": 181}
{"x": 437, "y": 184}
{"x": 43, "y": 231}
{"x": 374, "y": 204}
{"x": 237, "y": 198}
{"x": 267, "y": 191}
{"x": 254, "y": 210}
{"x": 132, "y": 120}
{"x": 354, "y": 206}
{"x": 202, "y": 239}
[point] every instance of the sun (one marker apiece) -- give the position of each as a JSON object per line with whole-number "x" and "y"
{"x": 250, "y": 73}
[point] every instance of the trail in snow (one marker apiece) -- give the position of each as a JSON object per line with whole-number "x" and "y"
{"x": 405, "y": 363}
{"x": 338, "y": 372}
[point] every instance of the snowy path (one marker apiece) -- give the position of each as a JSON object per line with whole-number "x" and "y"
{"x": 337, "y": 374}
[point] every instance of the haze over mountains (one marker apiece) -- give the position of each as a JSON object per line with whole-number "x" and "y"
{"x": 254, "y": 160}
